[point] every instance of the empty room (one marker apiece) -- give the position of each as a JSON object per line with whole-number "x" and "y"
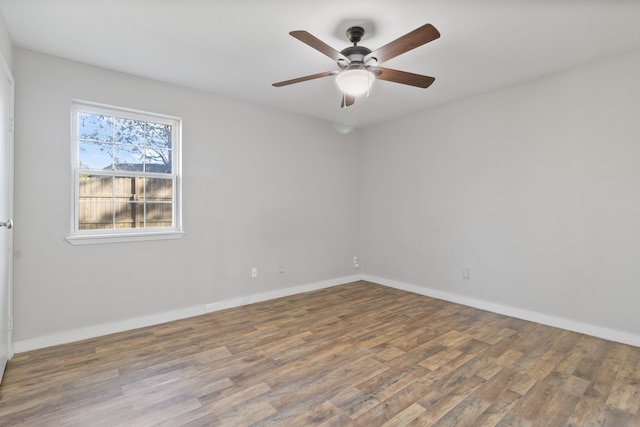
{"x": 288, "y": 213}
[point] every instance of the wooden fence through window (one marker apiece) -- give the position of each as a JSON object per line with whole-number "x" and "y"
{"x": 107, "y": 202}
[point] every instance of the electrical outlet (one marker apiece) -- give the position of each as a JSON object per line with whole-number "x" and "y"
{"x": 466, "y": 273}
{"x": 282, "y": 270}
{"x": 254, "y": 272}
{"x": 356, "y": 262}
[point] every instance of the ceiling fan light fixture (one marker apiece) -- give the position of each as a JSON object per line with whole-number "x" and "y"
{"x": 355, "y": 80}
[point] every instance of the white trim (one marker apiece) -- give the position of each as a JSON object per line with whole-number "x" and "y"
{"x": 155, "y": 319}
{"x": 104, "y": 329}
{"x": 11, "y": 148}
{"x": 279, "y": 293}
{"x": 520, "y": 313}
{"x": 92, "y": 239}
{"x": 130, "y": 113}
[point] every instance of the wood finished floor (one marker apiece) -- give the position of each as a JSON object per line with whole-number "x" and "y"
{"x": 353, "y": 355}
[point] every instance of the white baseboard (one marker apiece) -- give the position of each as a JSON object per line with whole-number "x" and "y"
{"x": 155, "y": 319}
{"x": 532, "y": 316}
{"x": 104, "y": 329}
{"x": 278, "y": 293}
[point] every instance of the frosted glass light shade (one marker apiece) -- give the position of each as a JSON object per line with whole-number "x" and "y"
{"x": 355, "y": 81}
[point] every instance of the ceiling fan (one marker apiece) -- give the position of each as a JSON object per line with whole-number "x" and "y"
{"x": 359, "y": 66}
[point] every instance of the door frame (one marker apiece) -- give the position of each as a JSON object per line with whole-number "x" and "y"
{"x": 10, "y": 152}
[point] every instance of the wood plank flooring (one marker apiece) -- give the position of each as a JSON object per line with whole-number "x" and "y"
{"x": 353, "y": 355}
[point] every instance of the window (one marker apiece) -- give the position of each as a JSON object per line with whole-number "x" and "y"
{"x": 126, "y": 168}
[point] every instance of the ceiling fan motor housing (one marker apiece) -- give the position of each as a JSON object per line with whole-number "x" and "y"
{"x": 355, "y": 54}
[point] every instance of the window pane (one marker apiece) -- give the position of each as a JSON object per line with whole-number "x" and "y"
{"x": 95, "y": 188}
{"x": 158, "y": 135}
{"x": 95, "y": 127}
{"x": 159, "y": 214}
{"x": 95, "y": 155}
{"x": 124, "y": 188}
{"x": 158, "y": 189}
{"x": 158, "y": 161}
{"x": 94, "y": 215}
{"x": 128, "y": 215}
{"x": 129, "y": 131}
{"x": 128, "y": 158}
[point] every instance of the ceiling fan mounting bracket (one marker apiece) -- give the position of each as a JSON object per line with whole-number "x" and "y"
{"x": 354, "y": 34}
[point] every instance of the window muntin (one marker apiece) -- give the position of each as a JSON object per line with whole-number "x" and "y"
{"x": 126, "y": 168}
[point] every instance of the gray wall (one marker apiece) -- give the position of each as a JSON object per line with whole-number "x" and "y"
{"x": 534, "y": 187}
{"x": 261, "y": 188}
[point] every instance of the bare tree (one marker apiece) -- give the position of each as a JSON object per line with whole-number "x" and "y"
{"x": 133, "y": 145}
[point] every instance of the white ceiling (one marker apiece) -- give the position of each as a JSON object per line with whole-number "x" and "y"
{"x": 237, "y": 48}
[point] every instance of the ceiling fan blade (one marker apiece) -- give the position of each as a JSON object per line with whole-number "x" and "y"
{"x": 305, "y": 78}
{"x": 403, "y": 77}
{"x": 403, "y": 44}
{"x": 347, "y": 100}
{"x": 319, "y": 45}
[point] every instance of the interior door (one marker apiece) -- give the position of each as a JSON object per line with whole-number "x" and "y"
{"x": 6, "y": 212}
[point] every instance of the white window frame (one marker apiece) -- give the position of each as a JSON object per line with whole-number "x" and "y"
{"x": 84, "y": 237}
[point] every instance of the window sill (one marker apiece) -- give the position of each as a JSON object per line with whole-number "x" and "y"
{"x": 97, "y": 239}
